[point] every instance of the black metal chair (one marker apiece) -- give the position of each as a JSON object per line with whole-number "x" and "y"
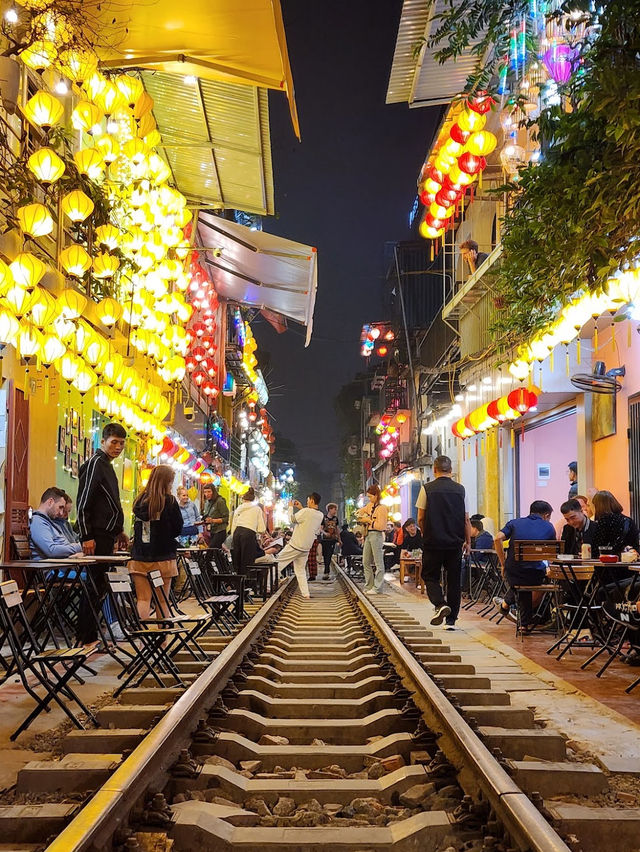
{"x": 219, "y": 605}
{"x": 30, "y": 659}
{"x": 192, "y": 626}
{"x": 146, "y": 638}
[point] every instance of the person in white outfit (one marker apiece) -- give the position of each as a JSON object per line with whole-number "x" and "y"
{"x": 307, "y": 524}
{"x": 247, "y": 524}
{"x": 374, "y": 518}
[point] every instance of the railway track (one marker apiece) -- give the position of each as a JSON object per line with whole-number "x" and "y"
{"x": 329, "y": 723}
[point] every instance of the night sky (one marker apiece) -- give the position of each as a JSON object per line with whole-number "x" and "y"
{"x": 346, "y": 188}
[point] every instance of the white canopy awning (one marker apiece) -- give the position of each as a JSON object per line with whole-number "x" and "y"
{"x": 260, "y": 270}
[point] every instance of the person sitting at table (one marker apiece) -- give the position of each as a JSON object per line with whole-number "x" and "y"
{"x": 578, "y": 529}
{"x": 411, "y": 538}
{"x": 348, "y": 542}
{"x": 157, "y": 524}
{"x": 46, "y": 538}
{"x": 190, "y": 513}
{"x": 247, "y": 523}
{"x": 63, "y": 521}
{"x": 481, "y": 539}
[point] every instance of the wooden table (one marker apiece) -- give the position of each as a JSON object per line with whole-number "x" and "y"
{"x": 408, "y": 562}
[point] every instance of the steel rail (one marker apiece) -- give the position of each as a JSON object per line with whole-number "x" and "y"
{"x": 525, "y": 824}
{"x": 109, "y": 808}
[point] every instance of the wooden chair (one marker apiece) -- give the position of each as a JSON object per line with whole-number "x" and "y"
{"x": 539, "y": 551}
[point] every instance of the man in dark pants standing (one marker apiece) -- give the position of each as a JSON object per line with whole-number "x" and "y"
{"x": 100, "y": 517}
{"x": 446, "y": 531}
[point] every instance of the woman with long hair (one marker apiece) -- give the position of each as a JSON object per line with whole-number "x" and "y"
{"x": 614, "y": 530}
{"x": 157, "y": 523}
{"x": 374, "y": 518}
{"x": 246, "y": 525}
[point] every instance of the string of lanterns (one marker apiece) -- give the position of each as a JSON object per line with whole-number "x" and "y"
{"x": 496, "y": 412}
{"x": 139, "y": 252}
{"x": 200, "y": 356}
{"x": 389, "y": 431}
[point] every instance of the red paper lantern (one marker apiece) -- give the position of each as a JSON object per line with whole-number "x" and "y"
{"x": 467, "y": 423}
{"x": 458, "y": 134}
{"x": 522, "y": 400}
{"x": 198, "y": 377}
{"x": 436, "y": 174}
{"x": 470, "y": 163}
{"x": 432, "y": 222}
{"x": 443, "y": 198}
{"x": 198, "y": 329}
{"x": 169, "y": 447}
{"x": 494, "y": 413}
{"x": 190, "y": 363}
{"x": 427, "y": 198}
{"x": 481, "y": 102}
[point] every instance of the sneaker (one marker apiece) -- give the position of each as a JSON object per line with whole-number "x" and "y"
{"x": 372, "y": 592}
{"x": 449, "y": 626}
{"x": 312, "y": 579}
{"x": 116, "y": 631}
{"x": 326, "y": 576}
{"x": 507, "y": 613}
{"x": 440, "y": 614}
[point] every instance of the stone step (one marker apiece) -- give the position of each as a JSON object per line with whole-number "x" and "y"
{"x": 303, "y": 731}
{"x": 235, "y": 747}
{"x": 73, "y": 773}
{"x": 151, "y": 695}
{"x": 313, "y": 708}
{"x": 556, "y": 779}
{"x": 515, "y": 744}
{"x": 315, "y": 690}
{"x": 500, "y": 716}
{"x": 195, "y": 827}
{"x": 480, "y": 697}
{"x": 598, "y": 828}
{"x": 102, "y": 740}
{"x": 34, "y": 823}
{"x": 325, "y": 790}
{"x": 130, "y": 715}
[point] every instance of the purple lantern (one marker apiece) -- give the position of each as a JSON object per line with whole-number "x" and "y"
{"x": 560, "y": 61}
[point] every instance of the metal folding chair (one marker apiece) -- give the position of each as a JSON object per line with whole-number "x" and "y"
{"x": 219, "y": 605}
{"x": 146, "y": 639}
{"x": 192, "y": 626}
{"x": 42, "y": 665}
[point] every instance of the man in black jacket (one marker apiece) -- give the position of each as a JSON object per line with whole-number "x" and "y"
{"x": 100, "y": 516}
{"x": 578, "y": 530}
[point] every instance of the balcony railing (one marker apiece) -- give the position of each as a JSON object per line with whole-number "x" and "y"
{"x": 468, "y": 293}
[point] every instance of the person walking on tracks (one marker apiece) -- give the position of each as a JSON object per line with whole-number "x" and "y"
{"x": 100, "y": 517}
{"x": 446, "y": 532}
{"x": 374, "y": 518}
{"x": 307, "y": 524}
{"x": 330, "y": 533}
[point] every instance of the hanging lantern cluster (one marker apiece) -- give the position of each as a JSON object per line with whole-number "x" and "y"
{"x": 183, "y": 458}
{"x": 388, "y": 431}
{"x": 201, "y": 358}
{"x": 455, "y": 163}
{"x": 621, "y": 291}
{"x": 496, "y": 412}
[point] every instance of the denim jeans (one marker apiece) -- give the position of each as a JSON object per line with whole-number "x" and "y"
{"x": 372, "y": 555}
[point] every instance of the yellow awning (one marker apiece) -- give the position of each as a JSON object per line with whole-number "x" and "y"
{"x": 234, "y": 41}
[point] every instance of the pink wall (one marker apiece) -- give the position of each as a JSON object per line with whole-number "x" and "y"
{"x": 554, "y": 444}
{"x": 611, "y": 455}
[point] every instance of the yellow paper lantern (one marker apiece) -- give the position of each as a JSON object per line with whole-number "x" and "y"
{"x": 135, "y": 151}
{"x": 18, "y": 300}
{"x": 90, "y": 162}
{"x": 52, "y": 349}
{"x": 46, "y": 165}
{"x": 64, "y": 328}
{"x": 35, "y": 220}
{"x": 77, "y": 64}
{"x": 109, "y": 312}
{"x": 105, "y": 265}
{"x": 439, "y": 212}
{"x": 6, "y": 278}
{"x": 42, "y": 308}
{"x": 102, "y": 397}
{"x": 152, "y": 139}
{"x": 95, "y": 350}
{"x": 108, "y": 146}
{"x": 113, "y": 370}
{"x": 87, "y": 117}
{"x": 39, "y": 55}
{"x": 29, "y": 341}
{"x": 68, "y": 366}
{"x": 27, "y": 270}
{"x": 457, "y": 176}
{"x": 9, "y": 326}
{"x": 471, "y": 121}
{"x": 481, "y": 143}
{"x": 43, "y": 110}
{"x": 75, "y": 260}
{"x": 77, "y": 206}
{"x": 131, "y": 89}
{"x": 109, "y": 98}
{"x": 146, "y": 125}
{"x": 71, "y": 304}
{"x": 144, "y": 104}
{"x": 94, "y": 84}
{"x": 108, "y": 235}
{"x": 430, "y": 233}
